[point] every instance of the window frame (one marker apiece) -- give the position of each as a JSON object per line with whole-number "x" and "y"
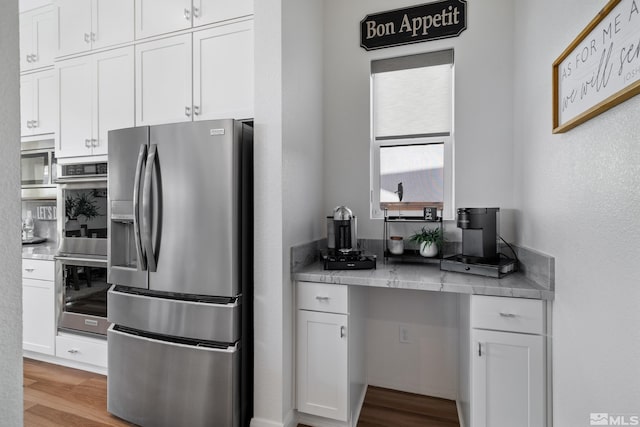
{"x": 447, "y": 138}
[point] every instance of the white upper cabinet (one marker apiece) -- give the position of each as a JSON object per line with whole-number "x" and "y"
{"x": 209, "y": 11}
{"x": 154, "y": 17}
{"x": 93, "y": 24}
{"x": 163, "y": 81}
{"x": 38, "y": 41}
{"x": 96, "y": 95}
{"x": 223, "y": 72}
{"x": 38, "y": 103}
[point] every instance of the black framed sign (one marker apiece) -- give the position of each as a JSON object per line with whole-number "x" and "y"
{"x": 431, "y": 21}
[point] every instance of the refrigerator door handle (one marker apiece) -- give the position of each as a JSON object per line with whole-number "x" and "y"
{"x": 146, "y": 209}
{"x": 140, "y": 166}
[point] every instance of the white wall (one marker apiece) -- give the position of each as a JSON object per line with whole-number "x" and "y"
{"x": 10, "y": 248}
{"x": 288, "y": 185}
{"x": 483, "y": 171}
{"x": 579, "y": 199}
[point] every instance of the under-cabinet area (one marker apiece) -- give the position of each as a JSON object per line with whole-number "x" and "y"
{"x": 483, "y": 344}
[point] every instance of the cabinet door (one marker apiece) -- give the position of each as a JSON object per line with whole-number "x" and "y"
{"x": 208, "y": 11}
{"x": 75, "y": 126}
{"x": 155, "y": 17}
{"x": 322, "y": 361}
{"x": 26, "y": 41}
{"x": 112, "y": 22}
{"x": 38, "y": 316}
{"x": 44, "y": 37}
{"x": 74, "y": 18}
{"x": 223, "y": 72}
{"x": 26, "y": 104}
{"x": 163, "y": 81}
{"x": 507, "y": 379}
{"x": 114, "y": 96}
{"x": 45, "y": 108}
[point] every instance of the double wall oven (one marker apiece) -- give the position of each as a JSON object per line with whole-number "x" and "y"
{"x": 81, "y": 263}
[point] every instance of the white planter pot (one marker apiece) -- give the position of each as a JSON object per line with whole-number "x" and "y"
{"x": 428, "y": 249}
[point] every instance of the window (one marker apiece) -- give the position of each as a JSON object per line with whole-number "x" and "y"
{"x": 411, "y": 126}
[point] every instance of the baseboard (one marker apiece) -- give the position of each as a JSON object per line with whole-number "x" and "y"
{"x": 358, "y": 409}
{"x": 64, "y": 362}
{"x": 460, "y": 417}
{"x": 289, "y": 421}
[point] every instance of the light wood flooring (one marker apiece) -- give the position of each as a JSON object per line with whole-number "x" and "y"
{"x": 57, "y": 396}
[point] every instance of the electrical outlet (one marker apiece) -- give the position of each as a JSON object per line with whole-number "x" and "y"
{"x": 404, "y": 334}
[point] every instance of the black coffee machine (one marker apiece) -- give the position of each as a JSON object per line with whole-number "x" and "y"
{"x": 342, "y": 243}
{"x": 479, "y": 245}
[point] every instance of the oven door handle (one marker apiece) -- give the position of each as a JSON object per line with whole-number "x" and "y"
{"x": 140, "y": 165}
{"x": 146, "y": 209}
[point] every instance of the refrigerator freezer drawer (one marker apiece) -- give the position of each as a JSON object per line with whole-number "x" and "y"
{"x": 179, "y": 318}
{"x": 160, "y": 383}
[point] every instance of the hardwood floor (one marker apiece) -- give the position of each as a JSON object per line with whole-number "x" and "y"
{"x": 390, "y": 408}
{"x": 60, "y": 396}
{"x": 57, "y": 396}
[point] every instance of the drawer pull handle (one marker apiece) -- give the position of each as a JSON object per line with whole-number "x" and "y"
{"x": 502, "y": 314}
{"x": 319, "y": 298}
{"x": 342, "y": 331}
{"x": 479, "y": 349}
{"x": 29, "y": 270}
{"x": 73, "y": 351}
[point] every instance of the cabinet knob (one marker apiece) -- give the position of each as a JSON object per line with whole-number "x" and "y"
{"x": 87, "y": 143}
{"x": 29, "y": 270}
{"x": 34, "y": 58}
{"x": 196, "y": 12}
{"x": 73, "y": 351}
{"x": 34, "y": 123}
{"x": 87, "y": 38}
{"x": 503, "y": 314}
{"x": 343, "y": 331}
{"x": 187, "y": 111}
{"x": 94, "y": 142}
{"x": 29, "y": 125}
{"x": 479, "y": 349}
{"x": 196, "y": 110}
{"x": 320, "y": 298}
{"x": 93, "y": 37}
{"x": 28, "y": 58}
{"x": 187, "y": 14}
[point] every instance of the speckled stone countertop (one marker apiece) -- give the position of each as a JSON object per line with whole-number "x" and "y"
{"x": 528, "y": 283}
{"x": 43, "y": 251}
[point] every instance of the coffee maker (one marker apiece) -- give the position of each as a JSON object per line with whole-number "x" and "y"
{"x": 342, "y": 243}
{"x": 479, "y": 245}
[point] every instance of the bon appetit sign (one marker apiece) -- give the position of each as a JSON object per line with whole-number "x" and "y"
{"x": 414, "y": 24}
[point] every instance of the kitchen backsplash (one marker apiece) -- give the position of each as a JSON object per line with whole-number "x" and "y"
{"x": 44, "y": 217}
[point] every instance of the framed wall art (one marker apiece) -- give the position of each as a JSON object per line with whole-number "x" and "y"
{"x": 600, "y": 68}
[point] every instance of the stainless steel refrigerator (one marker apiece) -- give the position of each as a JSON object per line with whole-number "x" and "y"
{"x": 180, "y": 265}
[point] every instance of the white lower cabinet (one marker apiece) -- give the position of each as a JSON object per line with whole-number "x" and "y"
{"x": 330, "y": 375}
{"x": 508, "y": 369}
{"x": 38, "y": 315}
{"x": 92, "y": 351}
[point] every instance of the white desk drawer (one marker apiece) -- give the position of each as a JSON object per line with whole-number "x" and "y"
{"x": 323, "y": 297}
{"x": 38, "y": 269}
{"x": 507, "y": 314}
{"x": 82, "y": 349}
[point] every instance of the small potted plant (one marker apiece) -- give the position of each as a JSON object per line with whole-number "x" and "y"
{"x": 429, "y": 240}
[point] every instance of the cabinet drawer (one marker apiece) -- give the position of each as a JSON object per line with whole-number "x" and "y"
{"x": 82, "y": 349}
{"x": 323, "y": 297}
{"x": 507, "y": 314}
{"x": 38, "y": 269}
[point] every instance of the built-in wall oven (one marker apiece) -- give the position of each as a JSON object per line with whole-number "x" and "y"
{"x": 81, "y": 260}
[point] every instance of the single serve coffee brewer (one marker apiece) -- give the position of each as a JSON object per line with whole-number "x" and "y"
{"x": 342, "y": 243}
{"x": 480, "y": 255}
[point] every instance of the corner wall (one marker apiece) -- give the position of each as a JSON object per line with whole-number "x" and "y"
{"x": 11, "y": 401}
{"x": 579, "y": 199}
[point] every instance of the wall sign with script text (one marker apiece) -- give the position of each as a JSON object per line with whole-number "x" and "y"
{"x": 600, "y": 68}
{"x": 431, "y": 21}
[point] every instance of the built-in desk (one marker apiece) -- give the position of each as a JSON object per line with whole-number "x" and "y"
{"x": 503, "y": 331}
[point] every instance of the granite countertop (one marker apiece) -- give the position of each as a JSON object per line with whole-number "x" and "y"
{"x": 43, "y": 251}
{"x": 426, "y": 277}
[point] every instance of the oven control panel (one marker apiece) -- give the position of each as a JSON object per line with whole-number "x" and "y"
{"x": 84, "y": 169}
